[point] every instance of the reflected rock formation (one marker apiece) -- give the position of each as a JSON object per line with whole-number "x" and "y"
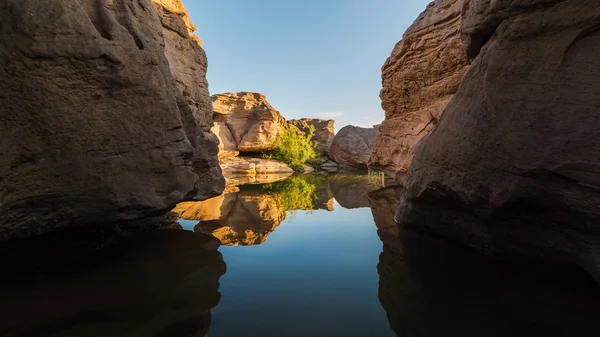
{"x": 429, "y": 287}
{"x": 160, "y": 283}
{"x": 350, "y": 190}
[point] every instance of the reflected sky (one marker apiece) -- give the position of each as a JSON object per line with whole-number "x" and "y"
{"x": 315, "y": 276}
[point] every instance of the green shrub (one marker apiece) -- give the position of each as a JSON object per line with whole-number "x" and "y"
{"x": 294, "y": 148}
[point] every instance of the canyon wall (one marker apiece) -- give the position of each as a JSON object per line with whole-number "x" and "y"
{"x": 105, "y": 114}
{"x": 513, "y": 164}
{"x": 419, "y": 79}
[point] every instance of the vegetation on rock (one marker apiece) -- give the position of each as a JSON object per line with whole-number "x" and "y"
{"x": 293, "y": 147}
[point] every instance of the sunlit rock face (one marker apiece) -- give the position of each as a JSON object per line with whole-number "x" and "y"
{"x": 246, "y": 122}
{"x": 513, "y": 164}
{"x": 161, "y": 283}
{"x": 423, "y": 280}
{"x": 419, "y": 79}
{"x": 96, "y": 125}
{"x": 253, "y": 166}
{"x": 324, "y": 131}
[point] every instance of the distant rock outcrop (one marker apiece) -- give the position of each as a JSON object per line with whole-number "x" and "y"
{"x": 101, "y": 120}
{"x": 324, "y": 131}
{"x": 245, "y": 122}
{"x": 419, "y": 79}
{"x": 513, "y": 164}
{"x": 351, "y": 146}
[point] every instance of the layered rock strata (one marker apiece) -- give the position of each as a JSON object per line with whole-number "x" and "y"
{"x": 245, "y": 122}
{"x": 419, "y": 79}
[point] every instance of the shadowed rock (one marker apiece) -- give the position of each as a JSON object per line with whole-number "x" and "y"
{"x": 351, "y": 147}
{"x": 97, "y": 127}
{"x": 513, "y": 166}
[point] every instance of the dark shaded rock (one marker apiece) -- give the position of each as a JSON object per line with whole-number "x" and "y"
{"x": 95, "y": 128}
{"x": 513, "y": 165}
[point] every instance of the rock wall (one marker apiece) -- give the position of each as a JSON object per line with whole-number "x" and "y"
{"x": 513, "y": 164}
{"x": 419, "y": 79}
{"x": 104, "y": 132}
{"x": 245, "y": 122}
{"x": 352, "y": 146}
{"x": 324, "y": 131}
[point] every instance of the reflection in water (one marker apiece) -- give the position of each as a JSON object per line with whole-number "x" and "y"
{"x": 246, "y": 215}
{"x": 431, "y": 288}
{"x": 160, "y": 283}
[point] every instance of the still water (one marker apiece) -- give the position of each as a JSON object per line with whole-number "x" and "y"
{"x": 305, "y": 256}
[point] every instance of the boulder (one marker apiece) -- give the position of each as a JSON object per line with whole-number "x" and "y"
{"x": 352, "y": 145}
{"x": 105, "y": 132}
{"x": 513, "y": 165}
{"x": 252, "y": 122}
{"x": 324, "y": 131}
{"x": 227, "y": 144}
{"x": 419, "y": 79}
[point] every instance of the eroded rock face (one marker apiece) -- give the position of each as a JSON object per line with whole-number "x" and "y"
{"x": 324, "y": 131}
{"x": 102, "y": 132}
{"x": 188, "y": 64}
{"x": 419, "y": 79}
{"x": 252, "y": 122}
{"x": 352, "y": 145}
{"x": 513, "y": 164}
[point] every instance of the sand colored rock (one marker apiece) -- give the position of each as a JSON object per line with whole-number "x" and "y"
{"x": 419, "y": 79}
{"x": 324, "y": 131}
{"x": 352, "y": 145}
{"x": 513, "y": 164}
{"x": 253, "y": 166}
{"x": 101, "y": 133}
{"x": 253, "y": 123}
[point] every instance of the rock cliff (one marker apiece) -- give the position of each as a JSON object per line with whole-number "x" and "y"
{"x": 245, "y": 122}
{"x": 419, "y": 79}
{"x": 513, "y": 164}
{"x": 101, "y": 120}
{"x": 351, "y": 147}
{"x": 324, "y": 131}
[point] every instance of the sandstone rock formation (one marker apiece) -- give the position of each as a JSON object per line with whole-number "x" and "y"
{"x": 247, "y": 119}
{"x": 253, "y": 166}
{"x": 513, "y": 164}
{"x": 99, "y": 126}
{"x": 161, "y": 283}
{"x": 352, "y": 145}
{"x": 324, "y": 131}
{"x": 419, "y": 79}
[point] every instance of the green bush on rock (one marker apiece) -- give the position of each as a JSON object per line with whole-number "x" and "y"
{"x": 293, "y": 147}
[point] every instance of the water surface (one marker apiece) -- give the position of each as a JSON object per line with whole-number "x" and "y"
{"x": 306, "y": 256}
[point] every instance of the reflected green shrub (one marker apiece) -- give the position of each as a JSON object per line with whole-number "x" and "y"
{"x": 296, "y": 192}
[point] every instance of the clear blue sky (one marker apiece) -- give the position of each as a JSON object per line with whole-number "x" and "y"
{"x": 311, "y": 58}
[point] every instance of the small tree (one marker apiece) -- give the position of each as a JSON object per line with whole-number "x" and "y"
{"x": 293, "y": 147}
